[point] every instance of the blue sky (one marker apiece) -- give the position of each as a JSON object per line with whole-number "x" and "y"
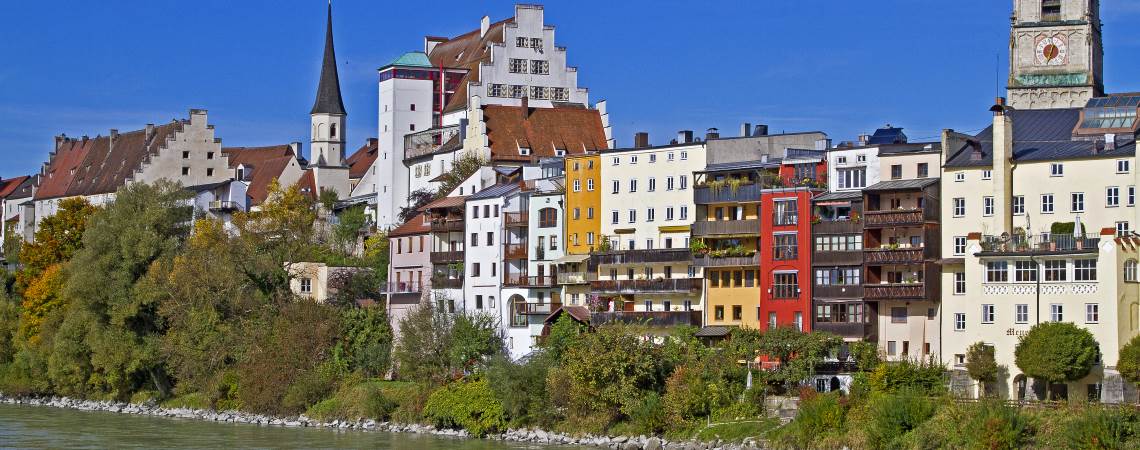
{"x": 840, "y": 67}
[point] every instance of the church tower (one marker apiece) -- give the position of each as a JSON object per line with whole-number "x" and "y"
{"x": 1055, "y": 54}
{"x": 328, "y": 119}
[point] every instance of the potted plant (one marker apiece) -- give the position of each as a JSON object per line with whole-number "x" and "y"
{"x": 854, "y": 216}
{"x": 698, "y": 247}
{"x": 816, "y": 219}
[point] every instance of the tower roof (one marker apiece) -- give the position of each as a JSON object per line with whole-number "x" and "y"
{"x": 328, "y": 91}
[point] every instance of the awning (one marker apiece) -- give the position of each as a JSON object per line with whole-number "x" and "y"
{"x": 674, "y": 228}
{"x": 572, "y": 259}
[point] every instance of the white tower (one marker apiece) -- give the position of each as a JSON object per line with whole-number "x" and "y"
{"x": 328, "y": 126}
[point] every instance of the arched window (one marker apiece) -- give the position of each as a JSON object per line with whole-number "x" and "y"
{"x": 547, "y": 218}
{"x": 1130, "y": 270}
{"x": 332, "y": 131}
{"x": 518, "y": 311}
{"x": 320, "y": 131}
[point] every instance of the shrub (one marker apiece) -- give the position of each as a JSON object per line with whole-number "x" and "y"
{"x": 313, "y": 386}
{"x": 1096, "y": 428}
{"x": 922, "y": 376}
{"x": 470, "y": 405}
{"x": 367, "y": 340}
{"x": 610, "y": 371}
{"x": 364, "y": 400}
{"x": 981, "y": 364}
{"x": 892, "y": 416}
{"x": 521, "y": 388}
{"x": 986, "y": 425}
{"x": 1056, "y": 352}
{"x": 818, "y": 415}
{"x": 1129, "y": 362}
{"x": 648, "y": 416}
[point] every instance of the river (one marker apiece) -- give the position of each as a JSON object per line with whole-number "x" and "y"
{"x": 45, "y": 427}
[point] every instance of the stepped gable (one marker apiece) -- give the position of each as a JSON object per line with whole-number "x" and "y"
{"x": 467, "y": 51}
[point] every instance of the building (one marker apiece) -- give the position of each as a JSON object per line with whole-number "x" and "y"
{"x": 328, "y": 119}
{"x": 9, "y": 188}
{"x": 582, "y": 223}
{"x": 532, "y": 236}
{"x": 1056, "y": 54}
{"x": 258, "y": 167}
{"x": 409, "y": 268}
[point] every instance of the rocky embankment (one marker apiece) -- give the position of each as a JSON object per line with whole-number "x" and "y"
{"x": 516, "y": 435}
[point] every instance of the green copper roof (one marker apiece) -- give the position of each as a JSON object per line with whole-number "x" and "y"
{"x": 413, "y": 59}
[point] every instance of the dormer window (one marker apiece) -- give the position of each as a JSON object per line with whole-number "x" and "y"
{"x": 524, "y": 151}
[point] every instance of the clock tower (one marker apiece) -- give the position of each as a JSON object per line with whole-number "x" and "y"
{"x": 1055, "y": 54}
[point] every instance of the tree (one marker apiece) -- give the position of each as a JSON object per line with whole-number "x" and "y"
{"x": 416, "y": 200}
{"x": 981, "y": 365}
{"x": 797, "y": 352}
{"x": 1129, "y": 362}
{"x": 347, "y": 230}
{"x": 41, "y": 299}
{"x": 1056, "y": 352}
{"x": 273, "y": 240}
{"x": 474, "y": 337}
{"x": 57, "y": 238}
{"x": 610, "y": 371}
{"x": 461, "y": 168}
{"x": 436, "y": 346}
{"x": 367, "y": 340}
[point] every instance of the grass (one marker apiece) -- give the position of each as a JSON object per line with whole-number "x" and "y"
{"x": 194, "y": 400}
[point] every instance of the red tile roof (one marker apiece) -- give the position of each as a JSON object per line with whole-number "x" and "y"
{"x": 267, "y": 164}
{"x": 542, "y": 130}
{"x": 417, "y": 225}
{"x": 308, "y": 184}
{"x": 362, "y": 159}
{"x": 8, "y": 186}
{"x": 467, "y": 51}
{"x": 446, "y": 202}
{"x": 62, "y": 165}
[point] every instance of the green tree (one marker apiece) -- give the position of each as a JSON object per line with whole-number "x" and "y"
{"x": 797, "y": 352}
{"x": 57, "y": 238}
{"x": 1056, "y": 352}
{"x": 271, "y": 241}
{"x": 981, "y": 365}
{"x": 461, "y": 168}
{"x": 422, "y": 353}
{"x": 288, "y": 365}
{"x": 474, "y": 338}
{"x": 367, "y": 340}
{"x": 610, "y": 371}
{"x": 1129, "y": 362}
{"x": 417, "y": 199}
{"x": 350, "y": 223}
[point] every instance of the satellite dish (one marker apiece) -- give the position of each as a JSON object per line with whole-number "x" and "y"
{"x": 1005, "y": 236}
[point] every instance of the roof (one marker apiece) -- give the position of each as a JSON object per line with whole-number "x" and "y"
{"x": 917, "y": 147}
{"x": 328, "y": 89}
{"x": 578, "y": 313}
{"x": 266, "y": 163}
{"x": 9, "y": 186}
{"x": 542, "y": 130}
{"x": 495, "y": 191}
{"x": 572, "y": 258}
{"x": 712, "y": 331}
{"x": 899, "y": 185}
{"x": 446, "y": 202}
{"x": 742, "y": 165}
{"x": 307, "y": 184}
{"x": 410, "y": 59}
{"x": 412, "y": 227}
{"x": 802, "y": 153}
{"x": 207, "y": 186}
{"x": 25, "y": 189}
{"x": 362, "y": 159}
{"x": 838, "y": 196}
{"x": 888, "y": 135}
{"x": 1038, "y": 135}
{"x": 466, "y": 51}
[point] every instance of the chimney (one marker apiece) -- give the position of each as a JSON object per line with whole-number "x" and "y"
{"x": 149, "y": 131}
{"x": 761, "y": 130}
{"x": 685, "y": 136}
{"x": 999, "y": 106}
{"x": 745, "y": 129}
{"x": 712, "y": 133}
{"x": 111, "y": 137}
{"x": 640, "y": 139}
{"x": 764, "y": 158}
{"x": 525, "y": 107}
{"x": 484, "y": 25}
{"x": 198, "y": 117}
{"x": 296, "y": 147}
{"x": 59, "y": 140}
{"x": 864, "y": 138}
{"x": 1002, "y": 165}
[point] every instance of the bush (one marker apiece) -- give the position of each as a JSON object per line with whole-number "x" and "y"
{"x": 367, "y": 340}
{"x": 989, "y": 424}
{"x": 470, "y": 405}
{"x": 1056, "y": 352}
{"x": 1097, "y": 428}
{"x": 611, "y": 370}
{"x": 1129, "y": 362}
{"x": 649, "y": 416}
{"x": 892, "y": 416}
{"x": 313, "y": 386}
{"x": 924, "y": 377}
{"x": 295, "y": 342}
{"x": 364, "y": 400}
{"x": 521, "y": 388}
{"x": 818, "y": 415}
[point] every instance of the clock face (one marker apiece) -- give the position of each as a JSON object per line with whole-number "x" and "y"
{"x": 1051, "y": 51}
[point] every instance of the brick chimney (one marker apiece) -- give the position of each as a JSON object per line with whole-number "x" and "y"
{"x": 525, "y": 107}
{"x": 640, "y": 139}
{"x": 1002, "y": 164}
{"x": 712, "y": 133}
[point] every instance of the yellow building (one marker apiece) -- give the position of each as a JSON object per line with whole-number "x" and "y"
{"x": 727, "y": 231}
{"x": 583, "y": 225}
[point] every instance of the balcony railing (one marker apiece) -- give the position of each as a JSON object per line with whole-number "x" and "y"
{"x": 516, "y": 219}
{"x": 521, "y": 279}
{"x": 837, "y": 291}
{"x": 894, "y": 218}
{"x": 638, "y": 286}
{"x": 748, "y": 227}
{"x": 439, "y": 282}
{"x": 576, "y": 277}
{"x": 837, "y": 258}
{"x": 704, "y": 195}
{"x": 894, "y": 291}
{"x": 402, "y": 287}
{"x": 515, "y": 251}
{"x": 224, "y": 205}
{"x": 643, "y": 256}
{"x": 837, "y": 227}
{"x": 543, "y": 309}
{"x": 652, "y": 318}
{"x": 785, "y": 218}
{"x": 1040, "y": 243}
{"x": 843, "y": 329}
{"x": 893, "y": 255}
{"x": 445, "y": 226}
{"x": 446, "y": 257}
{"x": 428, "y": 141}
{"x": 726, "y": 261}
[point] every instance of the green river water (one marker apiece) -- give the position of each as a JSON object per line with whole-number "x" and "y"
{"x": 45, "y": 427}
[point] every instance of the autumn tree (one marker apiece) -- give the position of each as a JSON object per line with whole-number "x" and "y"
{"x": 56, "y": 239}
{"x": 272, "y": 240}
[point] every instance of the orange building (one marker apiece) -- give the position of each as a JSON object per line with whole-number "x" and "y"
{"x": 583, "y": 224}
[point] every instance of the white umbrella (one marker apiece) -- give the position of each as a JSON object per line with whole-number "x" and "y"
{"x": 1077, "y": 227}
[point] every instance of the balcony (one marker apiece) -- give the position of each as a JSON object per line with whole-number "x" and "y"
{"x": 576, "y": 277}
{"x": 446, "y": 226}
{"x": 515, "y": 251}
{"x": 893, "y": 218}
{"x": 224, "y": 206}
{"x": 843, "y": 329}
{"x": 522, "y": 280}
{"x": 704, "y": 195}
{"x": 884, "y": 255}
{"x": 707, "y": 228}
{"x": 539, "y": 309}
{"x": 441, "y": 282}
{"x": 516, "y": 219}
{"x": 837, "y": 227}
{"x": 652, "y": 318}
{"x": 447, "y": 257}
{"x": 837, "y": 258}
{"x": 681, "y": 285}
{"x": 837, "y": 291}
{"x": 402, "y": 287}
{"x": 893, "y": 291}
{"x": 726, "y": 261}
{"x": 1041, "y": 244}
{"x": 642, "y": 256}
{"x": 785, "y": 218}
{"x": 428, "y": 141}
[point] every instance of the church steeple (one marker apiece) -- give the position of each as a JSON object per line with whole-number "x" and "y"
{"x": 328, "y": 91}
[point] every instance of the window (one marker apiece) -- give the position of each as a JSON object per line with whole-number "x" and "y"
{"x": 1057, "y": 169}
{"x": 684, "y": 155}
{"x": 1046, "y": 203}
{"x": 539, "y": 93}
{"x": 617, "y": 187}
{"x": 306, "y": 286}
{"x": 633, "y": 185}
{"x": 478, "y": 302}
{"x": 210, "y": 172}
{"x": 959, "y": 321}
{"x": 185, "y": 155}
{"x": 861, "y": 158}
{"x": 560, "y": 94}
{"x": 960, "y": 177}
{"x": 959, "y": 283}
{"x": 535, "y": 42}
{"x": 1084, "y": 270}
{"x": 1131, "y": 195}
{"x": 785, "y": 213}
{"x": 1112, "y": 196}
{"x": 590, "y": 212}
{"x": 891, "y": 348}
{"x": 577, "y": 185}
{"x": 997, "y": 272}
{"x": 1024, "y": 271}
{"x": 633, "y": 159}
{"x": 838, "y": 277}
{"x": 1018, "y": 205}
{"x": 548, "y": 217}
{"x": 1130, "y": 270}
{"x": 718, "y": 312}
{"x": 412, "y": 127}
{"x": 785, "y": 285}
{"x": 1057, "y": 312}
{"x": 590, "y": 238}
{"x": 186, "y": 171}
{"x": 521, "y": 42}
{"x": 1050, "y": 10}
{"x": 614, "y": 217}
{"x": 684, "y": 181}
{"x": 615, "y": 161}
{"x": 590, "y": 184}
{"x": 855, "y": 178}
{"x": 669, "y": 213}
{"x": 632, "y": 215}
{"x": 737, "y": 312}
{"x": 923, "y": 170}
{"x": 516, "y": 65}
{"x": 987, "y": 206}
{"x": 1055, "y": 270}
{"x": 474, "y": 269}
{"x": 684, "y": 213}
{"x": 496, "y": 90}
{"x": 1122, "y": 229}
{"x": 1021, "y": 313}
{"x": 516, "y": 90}
{"x": 987, "y": 174}
{"x": 1123, "y": 166}
{"x": 898, "y": 314}
{"x": 1092, "y": 313}
{"x": 959, "y": 207}
{"x": 652, "y": 184}
{"x": 987, "y": 313}
{"x": 490, "y": 238}
{"x": 959, "y": 245}
{"x": 649, "y": 215}
{"x": 771, "y": 320}
{"x": 841, "y": 160}
{"x": 784, "y": 246}
{"x": 540, "y": 67}
{"x": 669, "y": 183}
{"x": 896, "y": 171}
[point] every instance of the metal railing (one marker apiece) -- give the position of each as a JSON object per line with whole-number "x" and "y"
{"x": 522, "y": 279}
{"x": 428, "y": 141}
{"x": 652, "y": 318}
{"x": 446, "y": 257}
{"x": 402, "y": 287}
{"x": 726, "y": 227}
{"x": 224, "y": 205}
{"x": 655, "y": 285}
{"x": 439, "y": 282}
{"x": 893, "y": 217}
{"x": 1039, "y": 243}
{"x": 726, "y": 261}
{"x": 537, "y": 308}
{"x": 642, "y": 256}
{"x": 785, "y": 218}
{"x": 703, "y": 195}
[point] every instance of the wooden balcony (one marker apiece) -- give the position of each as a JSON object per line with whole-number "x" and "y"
{"x": 902, "y": 291}
{"x": 446, "y": 226}
{"x": 883, "y": 255}
{"x": 440, "y": 282}
{"x": 523, "y": 280}
{"x": 516, "y": 219}
{"x": 708, "y": 228}
{"x": 837, "y": 227}
{"x": 538, "y": 309}
{"x": 897, "y": 218}
{"x": 515, "y": 251}
{"x": 651, "y": 318}
{"x": 643, "y": 256}
{"x": 727, "y": 261}
{"x": 845, "y": 258}
{"x": 703, "y": 195}
{"x": 1042, "y": 244}
{"x": 446, "y": 257}
{"x": 837, "y": 291}
{"x": 680, "y": 285}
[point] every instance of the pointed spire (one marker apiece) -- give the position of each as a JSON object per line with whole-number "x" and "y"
{"x": 328, "y": 91}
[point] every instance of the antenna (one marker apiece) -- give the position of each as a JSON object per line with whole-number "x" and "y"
{"x": 997, "y": 74}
